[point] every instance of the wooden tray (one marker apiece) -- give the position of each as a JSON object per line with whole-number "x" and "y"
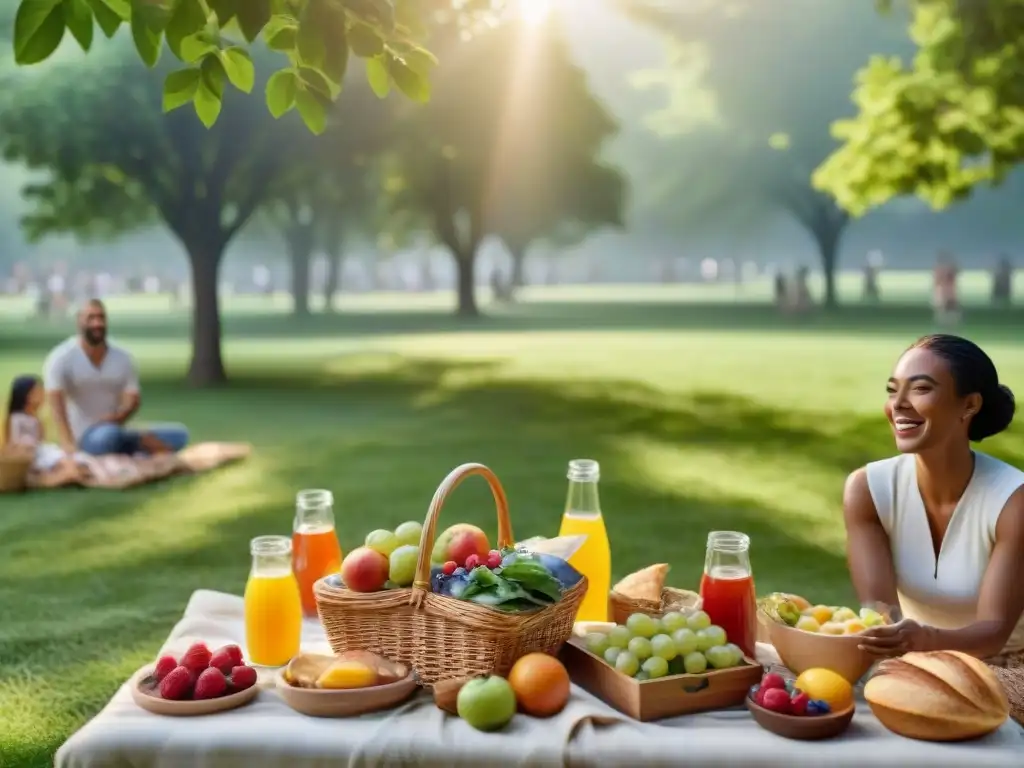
{"x": 664, "y": 697}
{"x": 151, "y": 701}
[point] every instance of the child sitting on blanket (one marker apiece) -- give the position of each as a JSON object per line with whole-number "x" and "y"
{"x": 23, "y": 427}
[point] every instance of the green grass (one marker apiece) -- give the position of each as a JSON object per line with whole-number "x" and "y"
{"x": 704, "y": 415}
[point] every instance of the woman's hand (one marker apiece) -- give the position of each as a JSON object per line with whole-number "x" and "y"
{"x": 896, "y": 639}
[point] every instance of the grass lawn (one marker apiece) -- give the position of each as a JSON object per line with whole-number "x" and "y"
{"x": 704, "y": 415}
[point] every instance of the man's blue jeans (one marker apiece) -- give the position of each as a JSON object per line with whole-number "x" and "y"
{"x": 102, "y": 439}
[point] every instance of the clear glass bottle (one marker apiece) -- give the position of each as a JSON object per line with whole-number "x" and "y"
{"x": 273, "y": 608}
{"x": 315, "y": 549}
{"x": 583, "y": 516}
{"x": 727, "y": 588}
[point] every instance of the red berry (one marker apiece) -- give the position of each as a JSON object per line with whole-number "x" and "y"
{"x": 473, "y": 561}
{"x": 494, "y": 559}
{"x": 177, "y": 685}
{"x": 759, "y": 696}
{"x": 211, "y": 685}
{"x": 227, "y": 658}
{"x": 164, "y": 666}
{"x": 776, "y": 700}
{"x": 449, "y": 568}
{"x": 772, "y": 680}
{"x": 798, "y": 704}
{"x": 242, "y": 677}
{"x": 196, "y": 658}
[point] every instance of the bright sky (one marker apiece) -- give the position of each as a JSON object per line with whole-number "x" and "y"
{"x": 535, "y": 11}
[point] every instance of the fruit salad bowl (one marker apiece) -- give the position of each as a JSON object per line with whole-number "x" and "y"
{"x": 800, "y": 651}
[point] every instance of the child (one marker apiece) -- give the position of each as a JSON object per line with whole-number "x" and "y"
{"x": 23, "y": 427}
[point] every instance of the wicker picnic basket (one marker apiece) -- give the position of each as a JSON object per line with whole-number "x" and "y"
{"x": 441, "y": 637}
{"x": 15, "y": 463}
{"x": 621, "y": 607}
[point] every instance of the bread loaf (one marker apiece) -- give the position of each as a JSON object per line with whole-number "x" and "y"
{"x": 939, "y": 696}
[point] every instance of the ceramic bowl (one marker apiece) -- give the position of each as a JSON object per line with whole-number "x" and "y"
{"x": 321, "y": 702}
{"x": 808, "y": 728}
{"x": 144, "y": 694}
{"x": 800, "y": 651}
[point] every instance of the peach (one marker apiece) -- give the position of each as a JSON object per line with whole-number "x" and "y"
{"x": 459, "y": 542}
{"x": 364, "y": 570}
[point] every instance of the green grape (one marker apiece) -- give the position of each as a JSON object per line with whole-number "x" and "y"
{"x": 719, "y": 657}
{"x": 695, "y": 663}
{"x": 612, "y": 654}
{"x": 698, "y": 620}
{"x": 655, "y": 667}
{"x": 619, "y": 636}
{"x": 641, "y": 648}
{"x": 673, "y": 621}
{"x": 627, "y": 664}
{"x": 409, "y": 532}
{"x": 708, "y": 638}
{"x": 664, "y": 647}
{"x": 597, "y": 643}
{"x": 382, "y": 541}
{"x": 737, "y": 654}
{"x": 641, "y": 676}
{"x": 685, "y": 640}
{"x": 642, "y": 625}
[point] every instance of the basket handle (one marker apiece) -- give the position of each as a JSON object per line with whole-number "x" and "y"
{"x": 444, "y": 490}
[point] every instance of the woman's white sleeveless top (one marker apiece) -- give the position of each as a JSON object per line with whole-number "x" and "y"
{"x": 943, "y": 591}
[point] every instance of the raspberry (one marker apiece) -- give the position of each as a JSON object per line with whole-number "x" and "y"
{"x": 227, "y": 658}
{"x": 196, "y": 658}
{"x": 776, "y": 700}
{"x": 473, "y": 561}
{"x": 177, "y": 685}
{"x": 494, "y": 559}
{"x": 164, "y": 665}
{"x": 243, "y": 677}
{"x": 449, "y": 568}
{"x": 773, "y": 680}
{"x": 798, "y": 704}
{"x": 210, "y": 685}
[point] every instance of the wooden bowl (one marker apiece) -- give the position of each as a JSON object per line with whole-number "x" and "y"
{"x": 320, "y": 702}
{"x": 808, "y": 728}
{"x": 800, "y": 651}
{"x": 146, "y": 697}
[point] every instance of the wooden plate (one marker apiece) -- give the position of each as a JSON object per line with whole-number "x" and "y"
{"x": 809, "y": 728}
{"x": 318, "y": 702}
{"x": 153, "y": 703}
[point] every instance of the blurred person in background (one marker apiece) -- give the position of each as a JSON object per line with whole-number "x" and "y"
{"x": 945, "y": 299}
{"x": 1002, "y": 283}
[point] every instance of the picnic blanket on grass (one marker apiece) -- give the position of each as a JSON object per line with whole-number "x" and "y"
{"x": 117, "y": 472}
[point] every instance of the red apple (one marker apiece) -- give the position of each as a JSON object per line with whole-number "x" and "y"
{"x": 471, "y": 541}
{"x": 364, "y": 570}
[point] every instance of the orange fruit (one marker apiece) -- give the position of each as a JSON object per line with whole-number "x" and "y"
{"x": 829, "y": 686}
{"x": 541, "y": 684}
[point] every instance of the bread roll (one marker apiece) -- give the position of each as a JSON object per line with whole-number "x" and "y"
{"x": 939, "y": 696}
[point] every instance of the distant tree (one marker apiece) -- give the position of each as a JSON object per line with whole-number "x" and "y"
{"x": 510, "y": 111}
{"x": 940, "y": 125}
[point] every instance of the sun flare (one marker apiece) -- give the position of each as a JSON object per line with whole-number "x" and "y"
{"x": 535, "y": 11}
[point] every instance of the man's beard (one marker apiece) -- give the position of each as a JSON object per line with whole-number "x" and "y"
{"x": 95, "y": 337}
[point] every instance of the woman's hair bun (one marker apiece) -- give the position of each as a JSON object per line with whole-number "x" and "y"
{"x": 996, "y": 414}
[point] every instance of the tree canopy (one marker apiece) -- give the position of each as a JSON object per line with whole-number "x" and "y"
{"x": 943, "y": 123}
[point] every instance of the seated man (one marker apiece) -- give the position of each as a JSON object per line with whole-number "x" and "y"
{"x": 93, "y": 388}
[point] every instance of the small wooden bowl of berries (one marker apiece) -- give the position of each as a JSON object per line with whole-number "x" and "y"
{"x": 792, "y": 714}
{"x": 199, "y": 683}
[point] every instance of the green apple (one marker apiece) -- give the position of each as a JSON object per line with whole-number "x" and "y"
{"x": 402, "y": 565}
{"x": 409, "y": 533}
{"x": 382, "y": 541}
{"x": 486, "y": 703}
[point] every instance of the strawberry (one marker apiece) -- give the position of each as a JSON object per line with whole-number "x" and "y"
{"x": 210, "y": 685}
{"x": 227, "y": 658}
{"x": 242, "y": 677}
{"x": 798, "y": 704}
{"x": 473, "y": 561}
{"x": 449, "y": 568}
{"x": 177, "y": 685}
{"x": 759, "y": 696}
{"x": 493, "y": 559}
{"x": 164, "y": 666}
{"x": 773, "y": 680}
{"x": 776, "y": 700}
{"x": 196, "y": 658}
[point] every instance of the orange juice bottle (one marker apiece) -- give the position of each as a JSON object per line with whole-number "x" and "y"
{"x": 315, "y": 549}
{"x": 273, "y": 609}
{"x": 583, "y": 517}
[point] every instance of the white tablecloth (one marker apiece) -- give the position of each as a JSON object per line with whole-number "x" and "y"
{"x": 267, "y": 734}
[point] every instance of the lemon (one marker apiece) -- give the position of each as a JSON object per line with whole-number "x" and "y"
{"x": 843, "y": 615}
{"x": 821, "y": 613}
{"x": 808, "y": 624}
{"x": 828, "y": 686}
{"x": 347, "y": 674}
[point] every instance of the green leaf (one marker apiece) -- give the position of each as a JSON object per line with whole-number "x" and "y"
{"x": 336, "y": 59}
{"x": 282, "y": 88}
{"x": 409, "y": 82}
{"x": 312, "y": 110}
{"x": 195, "y": 47}
{"x": 207, "y": 104}
{"x": 253, "y": 16}
{"x": 188, "y": 19}
{"x": 284, "y": 38}
{"x": 364, "y": 41}
{"x": 180, "y": 88}
{"x": 420, "y": 61}
{"x": 213, "y": 76}
{"x": 147, "y": 39}
{"x": 107, "y": 15}
{"x": 315, "y": 80}
{"x": 378, "y": 76}
{"x": 78, "y": 20}
{"x": 239, "y": 68}
{"x": 38, "y": 30}
{"x": 310, "y": 42}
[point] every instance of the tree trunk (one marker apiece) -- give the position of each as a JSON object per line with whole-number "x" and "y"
{"x": 207, "y": 366}
{"x": 300, "y": 254}
{"x": 465, "y": 264}
{"x": 828, "y": 250}
{"x": 518, "y": 266}
{"x": 332, "y": 281}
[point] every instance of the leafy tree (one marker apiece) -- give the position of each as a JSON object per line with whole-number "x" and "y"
{"x": 114, "y": 162}
{"x": 210, "y": 38}
{"x": 511, "y": 116}
{"x": 943, "y": 123}
{"x": 752, "y": 91}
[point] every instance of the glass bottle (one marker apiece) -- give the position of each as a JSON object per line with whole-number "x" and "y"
{"x": 727, "y": 588}
{"x": 273, "y": 608}
{"x": 583, "y": 517}
{"x": 315, "y": 549}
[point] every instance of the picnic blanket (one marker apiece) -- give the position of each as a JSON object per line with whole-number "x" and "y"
{"x": 117, "y": 472}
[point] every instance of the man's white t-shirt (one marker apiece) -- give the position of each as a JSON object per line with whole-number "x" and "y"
{"x": 91, "y": 393}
